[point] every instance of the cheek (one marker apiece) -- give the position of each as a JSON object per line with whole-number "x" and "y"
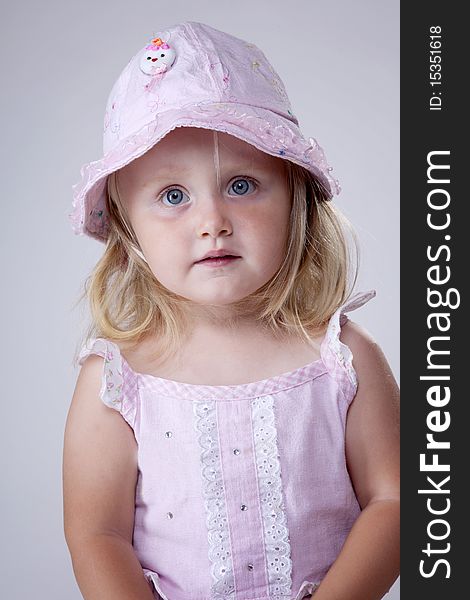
{"x": 160, "y": 248}
{"x": 267, "y": 227}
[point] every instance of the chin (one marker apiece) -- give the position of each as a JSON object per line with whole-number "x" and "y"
{"x": 222, "y": 298}
{"x": 216, "y": 301}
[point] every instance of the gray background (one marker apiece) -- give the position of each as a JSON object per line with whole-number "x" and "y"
{"x": 339, "y": 61}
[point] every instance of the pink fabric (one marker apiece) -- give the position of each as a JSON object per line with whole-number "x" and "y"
{"x": 243, "y": 491}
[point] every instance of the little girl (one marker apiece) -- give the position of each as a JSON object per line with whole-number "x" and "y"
{"x": 232, "y": 435}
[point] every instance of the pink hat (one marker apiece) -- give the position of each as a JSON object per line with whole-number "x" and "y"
{"x": 192, "y": 75}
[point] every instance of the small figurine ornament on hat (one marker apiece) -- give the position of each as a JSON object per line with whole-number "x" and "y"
{"x": 157, "y": 57}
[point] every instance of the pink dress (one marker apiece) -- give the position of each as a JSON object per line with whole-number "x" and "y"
{"x": 243, "y": 491}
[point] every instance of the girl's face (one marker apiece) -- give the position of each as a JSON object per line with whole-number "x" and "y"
{"x": 180, "y": 212}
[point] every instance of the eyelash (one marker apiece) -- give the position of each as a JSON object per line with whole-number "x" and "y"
{"x": 161, "y": 196}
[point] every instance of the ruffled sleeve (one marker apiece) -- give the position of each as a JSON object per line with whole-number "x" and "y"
{"x": 118, "y": 381}
{"x": 336, "y": 355}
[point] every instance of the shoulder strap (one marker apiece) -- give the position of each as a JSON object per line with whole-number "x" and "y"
{"x": 355, "y": 301}
{"x": 118, "y": 384}
{"x": 336, "y": 355}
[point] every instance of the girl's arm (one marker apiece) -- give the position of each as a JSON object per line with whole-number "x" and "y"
{"x": 99, "y": 476}
{"x": 368, "y": 563}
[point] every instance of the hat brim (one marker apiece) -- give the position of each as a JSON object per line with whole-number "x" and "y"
{"x": 267, "y": 131}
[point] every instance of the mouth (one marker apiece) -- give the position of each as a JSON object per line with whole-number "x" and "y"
{"x": 218, "y": 261}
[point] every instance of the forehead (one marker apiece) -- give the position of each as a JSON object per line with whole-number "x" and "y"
{"x": 186, "y": 148}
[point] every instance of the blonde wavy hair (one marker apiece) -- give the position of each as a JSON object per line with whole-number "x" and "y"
{"x": 317, "y": 275}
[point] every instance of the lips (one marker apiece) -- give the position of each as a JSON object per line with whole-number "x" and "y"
{"x": 218, "y": 257}
{"x": 220, "y": 253}
{"x": 218, "y": 261}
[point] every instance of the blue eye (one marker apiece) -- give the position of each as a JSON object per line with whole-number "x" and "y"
{"x": 173, "y": 196}
{"x": 242, "y": 186}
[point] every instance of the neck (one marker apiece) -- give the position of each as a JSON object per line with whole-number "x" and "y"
{"x": 220, "y": 319}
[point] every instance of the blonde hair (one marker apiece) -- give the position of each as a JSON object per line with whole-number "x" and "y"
{"x": 318, "y": 274}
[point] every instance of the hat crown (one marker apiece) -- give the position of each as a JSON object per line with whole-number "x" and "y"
{"x": 208, "y": 66}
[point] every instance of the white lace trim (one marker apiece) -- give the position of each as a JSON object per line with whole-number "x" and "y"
{"x": 223, "y": 586}
{"x": 111, "y": 379}
{"x": 268, "y": 467}
{"x": 341, "y": 351}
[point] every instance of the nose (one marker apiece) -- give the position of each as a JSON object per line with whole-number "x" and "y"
{"x": 213, "y": 218}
